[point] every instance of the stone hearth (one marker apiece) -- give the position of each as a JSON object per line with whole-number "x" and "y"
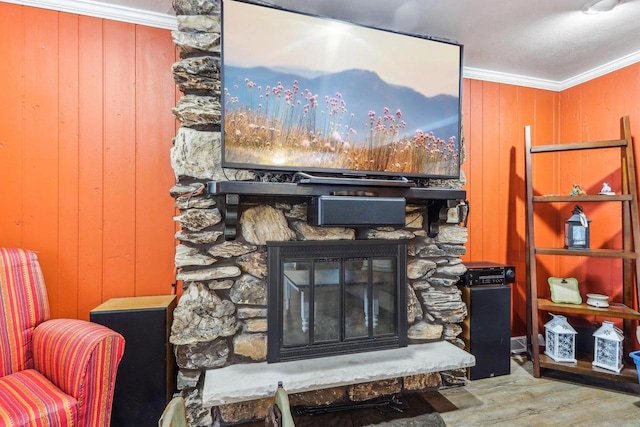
{"x": 240, "y": 383}
{"x": 220, "y": 325}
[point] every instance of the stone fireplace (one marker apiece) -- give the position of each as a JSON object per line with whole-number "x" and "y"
{"x": 227, "y": 221}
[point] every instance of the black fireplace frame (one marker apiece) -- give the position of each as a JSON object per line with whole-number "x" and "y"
{"x": 304, "y": 250}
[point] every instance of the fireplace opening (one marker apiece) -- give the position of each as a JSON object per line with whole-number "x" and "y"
{"x": 330, "y": 298}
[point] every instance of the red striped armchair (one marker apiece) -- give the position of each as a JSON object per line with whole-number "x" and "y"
{"x": 53, "y": 373}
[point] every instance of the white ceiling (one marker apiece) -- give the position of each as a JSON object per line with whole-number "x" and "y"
{"x": 548, "y": 40}
{"x": 549, "y": 44}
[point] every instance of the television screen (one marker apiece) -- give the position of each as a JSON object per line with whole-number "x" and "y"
{"x": 311, "y": 94}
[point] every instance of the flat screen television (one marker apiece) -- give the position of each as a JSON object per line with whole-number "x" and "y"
{"x": 311, "y": 94}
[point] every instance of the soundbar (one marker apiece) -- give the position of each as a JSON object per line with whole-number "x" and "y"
{"x": 356, "y": 211}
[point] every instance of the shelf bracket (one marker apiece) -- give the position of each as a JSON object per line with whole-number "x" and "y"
{"x": 437, "y": 213}
{"x": 231, "y": 206}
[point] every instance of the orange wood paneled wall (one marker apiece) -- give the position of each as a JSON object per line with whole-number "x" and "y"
{"x": 494, "y": 117}
{"x": 592, "y": 111}
{"x": 85, "y": 133}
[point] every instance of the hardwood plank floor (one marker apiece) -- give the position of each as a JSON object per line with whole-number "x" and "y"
{"x": 556, "y": 399}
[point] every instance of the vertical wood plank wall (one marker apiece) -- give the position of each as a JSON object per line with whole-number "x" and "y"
{"x": 494, "y": 117}
{"x": 86, "y": 128}
{"x": 85, "y": 133}
{"x": 592, "y": 111}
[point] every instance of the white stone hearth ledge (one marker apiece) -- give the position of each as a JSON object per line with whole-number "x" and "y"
{"x": 250, "y": 381}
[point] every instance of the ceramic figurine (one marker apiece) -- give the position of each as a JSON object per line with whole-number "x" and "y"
{"x": 578, "y": 190}
{"x": 606, "y": 189}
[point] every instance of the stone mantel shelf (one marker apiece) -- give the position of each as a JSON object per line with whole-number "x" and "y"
{"x": 251, "y": 381}
{"x": 436, "y": 199}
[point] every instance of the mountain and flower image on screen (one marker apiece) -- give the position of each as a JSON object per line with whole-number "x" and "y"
{"x": 383, "y": 113}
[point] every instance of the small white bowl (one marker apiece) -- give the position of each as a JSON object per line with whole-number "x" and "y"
{"x": 597, "y": 300}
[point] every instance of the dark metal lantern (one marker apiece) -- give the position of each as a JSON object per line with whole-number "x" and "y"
{"x": 576, "y": 230}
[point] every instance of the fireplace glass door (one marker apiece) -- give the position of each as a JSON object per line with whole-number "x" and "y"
{"x": 329, "y": 298}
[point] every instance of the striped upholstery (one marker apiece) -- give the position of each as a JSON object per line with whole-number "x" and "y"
{"x": 23, "y": 305}
{"x": 82, "y": 359}
{"x": 28, "y": 398}
{"x": 74, "y": 362}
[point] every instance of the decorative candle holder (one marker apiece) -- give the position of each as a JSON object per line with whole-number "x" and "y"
{"x": 560, "y": 340}
{"x": 607, "y": 350}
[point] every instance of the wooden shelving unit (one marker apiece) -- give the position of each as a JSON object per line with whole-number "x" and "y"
{"x": 629, "y": 253}
{"x": 584, "y": 367}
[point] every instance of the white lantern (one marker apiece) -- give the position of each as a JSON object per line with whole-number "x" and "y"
{"x": 560, "y": 340}
{"x": 607, "y": 350}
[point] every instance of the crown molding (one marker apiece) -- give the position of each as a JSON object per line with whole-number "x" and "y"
{"x": 106, "y": 11}
{"x": 607, "y": 68}
{"x": 556, "y": 86}
{"x": 513, "y": 79}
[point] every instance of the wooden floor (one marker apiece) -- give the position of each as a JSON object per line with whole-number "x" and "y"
{"x": 520, "y": 399}
{"x": 516, "y": 400}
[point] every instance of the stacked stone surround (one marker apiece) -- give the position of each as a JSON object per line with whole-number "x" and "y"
{"x": 221, "y": 316}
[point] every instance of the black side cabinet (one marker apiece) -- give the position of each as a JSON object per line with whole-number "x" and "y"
{"x": 146, "y": 376}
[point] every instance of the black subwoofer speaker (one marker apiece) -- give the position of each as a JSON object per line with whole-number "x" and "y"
{"x": 146, "y": 375}
{"x": 354, "y": 211}
{"x": 487, "y": 329}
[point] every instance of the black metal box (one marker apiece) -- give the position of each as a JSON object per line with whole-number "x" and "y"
{"x": 488, "y": 273}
